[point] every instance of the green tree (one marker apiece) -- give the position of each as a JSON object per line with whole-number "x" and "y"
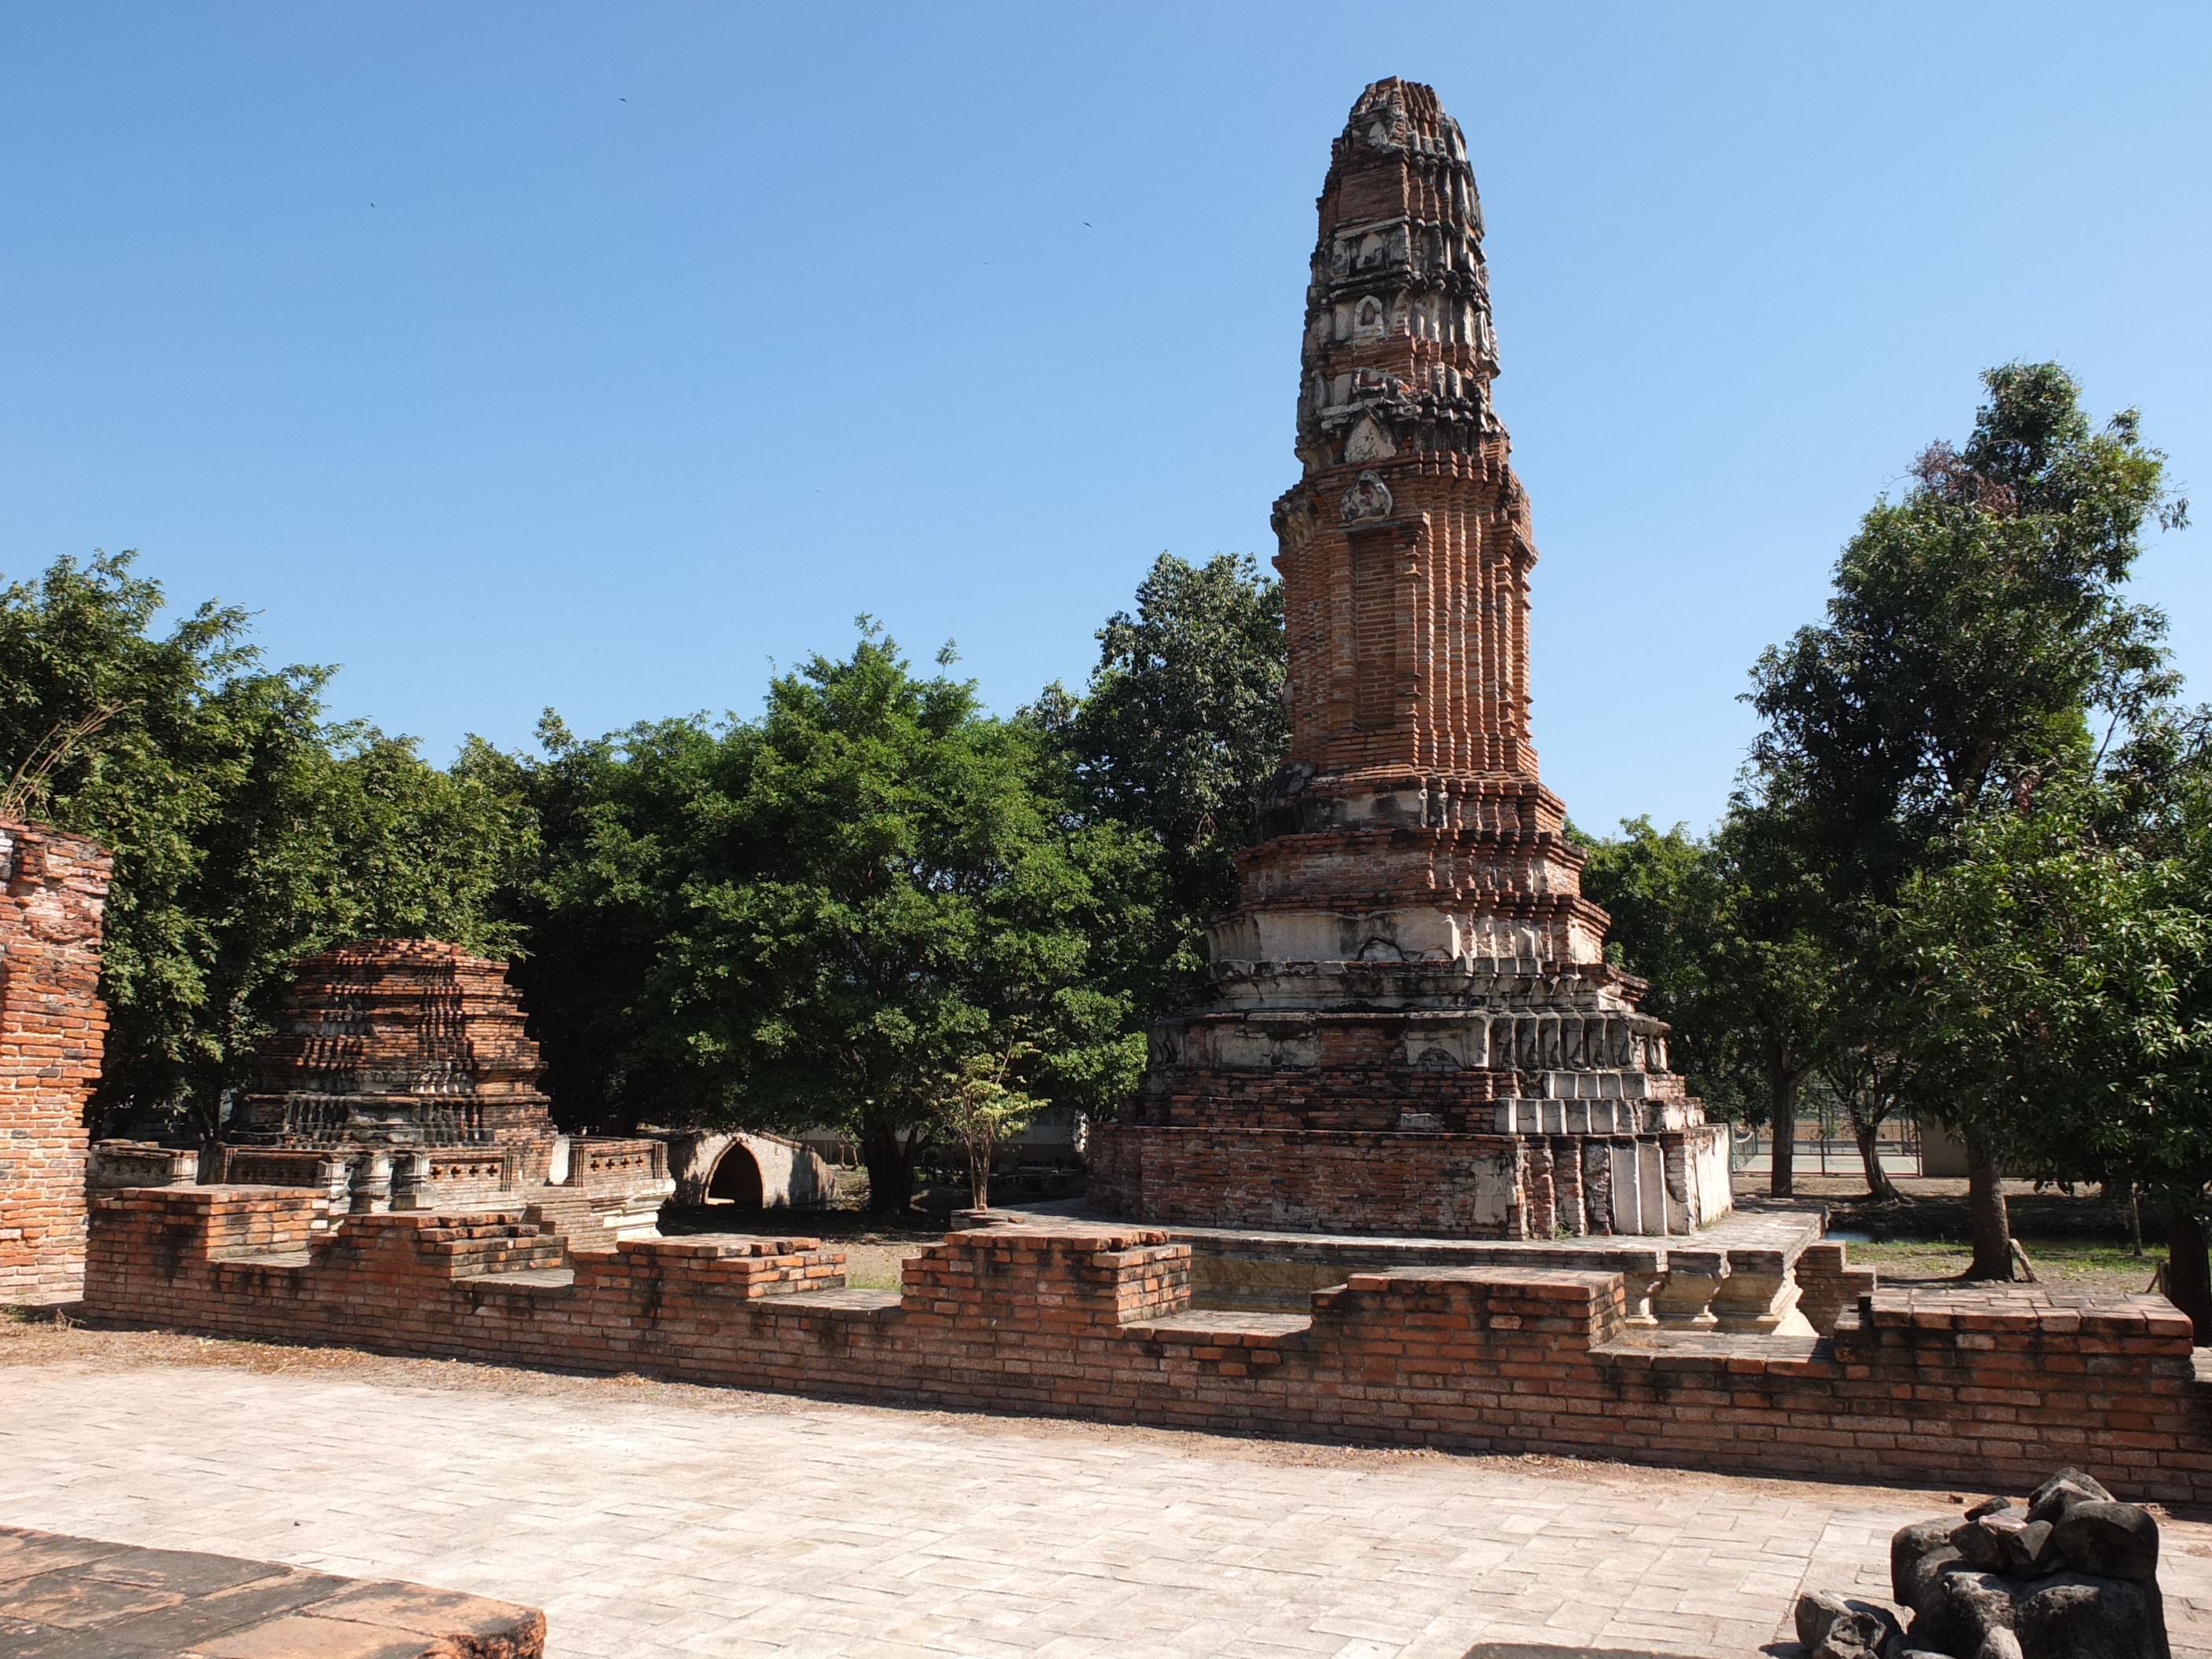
{"x": 603, "y": 890}
{"x": 1772, "y": 968}
{"x": 1727, "y": 932}
{"x": 1180, "y": 728}
{"x": 2050, "y": 971}
{"x": 831, "y": 914}
{"x": 1663, "y": 892}
{"x": 981, "y": 1109}
{"x": 246, "y": 829}
{"x": 1872, "y": 1076}
{"x": 1977, "y": 630}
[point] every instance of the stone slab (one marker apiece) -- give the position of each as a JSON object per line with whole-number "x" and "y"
{"x": 65, "y": 1597}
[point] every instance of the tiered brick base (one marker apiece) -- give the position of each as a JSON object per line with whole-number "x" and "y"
{"x": 1437, "y": 1185}
{"x": 51, "y": 1030}
{"x": 1991, "y": 1390}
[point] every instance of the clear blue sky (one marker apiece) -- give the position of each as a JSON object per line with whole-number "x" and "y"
{"x": 518, "y": 354}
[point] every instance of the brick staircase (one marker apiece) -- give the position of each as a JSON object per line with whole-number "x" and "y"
{"x": 572, "y": 1216}
{"x": 497, "y": 1244}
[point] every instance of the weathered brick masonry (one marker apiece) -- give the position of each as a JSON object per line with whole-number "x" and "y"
{"x": 1980, "y": 1391}
{"x": 51, "y": 1030}
{"x": 409, "y": 1039}
{"x": 401, "y": 1076}
{"x": 1407, "y": 1024}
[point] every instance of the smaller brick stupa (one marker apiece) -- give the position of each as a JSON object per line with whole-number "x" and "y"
{"x": 401, "y": 1076}
{"x": 403, "y": 1043}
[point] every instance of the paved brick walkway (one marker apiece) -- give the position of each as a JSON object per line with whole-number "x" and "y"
{"x": 661, "y": 1521}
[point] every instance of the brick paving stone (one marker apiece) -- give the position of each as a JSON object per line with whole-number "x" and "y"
{"x": 682, "y": 1522}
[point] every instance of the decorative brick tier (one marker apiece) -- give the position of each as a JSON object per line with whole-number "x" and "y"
{"x": 53, "y": 888}
{"x": 1989, "y": 1389}
{"x": 1409, "y": 1025}
{"x": 1430, "y": 1183}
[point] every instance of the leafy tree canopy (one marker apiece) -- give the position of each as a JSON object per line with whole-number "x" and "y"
{"x": 1977, "y": 626}
{"x": 247, "y": 829}
{"x": 1180, "y": 728}
{"x": 829, "y": 915}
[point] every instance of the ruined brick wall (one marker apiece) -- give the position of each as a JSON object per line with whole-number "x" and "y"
{"x": 1993, "y": 1389}
{"x": 52, "y": 1029}
{"x": 1828, "y": 1285}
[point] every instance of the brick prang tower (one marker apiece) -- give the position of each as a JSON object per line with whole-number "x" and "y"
{"x": 1408, "y": 1025}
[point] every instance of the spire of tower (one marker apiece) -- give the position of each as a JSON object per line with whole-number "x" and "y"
{"x": 1405, "y": 548}
{"x": 1399, "y": 351}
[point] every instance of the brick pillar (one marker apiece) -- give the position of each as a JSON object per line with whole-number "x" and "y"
{"x": 52, "y": 1029}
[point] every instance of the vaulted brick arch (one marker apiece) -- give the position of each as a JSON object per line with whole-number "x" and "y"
{"x": 736, "y": 1176}
{"x": 747, "y": 1167}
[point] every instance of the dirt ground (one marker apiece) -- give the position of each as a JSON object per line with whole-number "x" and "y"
{"x": 2079, "y": 1241}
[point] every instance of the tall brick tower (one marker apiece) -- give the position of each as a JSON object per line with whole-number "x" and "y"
{"x": 1408, "y": 1025}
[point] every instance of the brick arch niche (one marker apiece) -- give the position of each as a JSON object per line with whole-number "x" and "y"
{"x": 713, "y": 1164}
{"x": 737, "y": 1177}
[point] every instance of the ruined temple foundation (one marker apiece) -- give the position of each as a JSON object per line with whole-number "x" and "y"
{"x": 1408, "y": 1028}
{"x": 401, "y": 1078}
{"x": 1408, "y": 1025}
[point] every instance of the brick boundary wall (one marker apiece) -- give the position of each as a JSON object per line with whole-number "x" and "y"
{"x": 53, "y": 888}
{"x": 1990, "y": 1389}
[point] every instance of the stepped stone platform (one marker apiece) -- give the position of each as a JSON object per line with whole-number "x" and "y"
{"x": 81, "y": 1598}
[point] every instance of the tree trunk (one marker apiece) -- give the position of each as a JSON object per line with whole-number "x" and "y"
{"x": 2188, "y": 1272}
{"x": 1782, "y": 1114}
{"x": 979, "y": 1176}
{"x": 889, "y": 1157}
{"x": 1985, "y": 1205}
{"x": 1879, "y": 1185}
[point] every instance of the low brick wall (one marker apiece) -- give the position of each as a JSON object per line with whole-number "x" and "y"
{"x": 1986, "y": 1390}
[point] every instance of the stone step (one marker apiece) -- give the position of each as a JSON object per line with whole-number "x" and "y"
{"x": 552, "y": 1278}
{"x": 1224, "y": 1328}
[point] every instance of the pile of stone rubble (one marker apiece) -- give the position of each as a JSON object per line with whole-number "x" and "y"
{"x": 2072, "y": 1574}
